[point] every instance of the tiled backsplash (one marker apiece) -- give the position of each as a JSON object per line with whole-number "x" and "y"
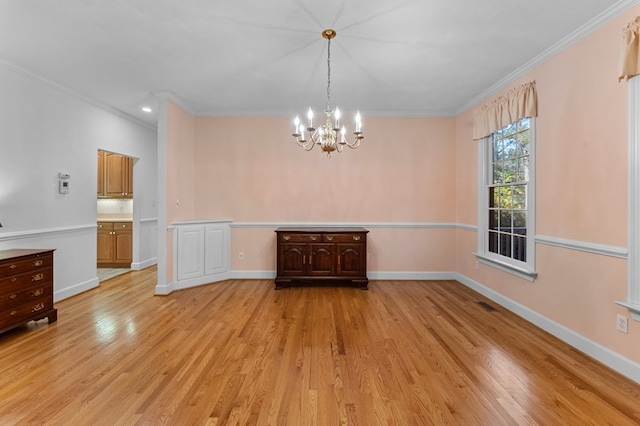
{"x": 111, "y": 206}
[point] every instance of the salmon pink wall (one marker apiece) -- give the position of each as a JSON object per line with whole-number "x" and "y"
{"x": 179, "y": 173}
{"x": 249, "y": 169}
{"x": 581, "y": 151}
{"x": 180, "y": 168}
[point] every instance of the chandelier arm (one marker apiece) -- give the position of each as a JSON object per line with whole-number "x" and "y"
{"x": 306, "y": 145}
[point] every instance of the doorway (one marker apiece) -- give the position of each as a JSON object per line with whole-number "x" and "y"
{"x": 114, "y": 214}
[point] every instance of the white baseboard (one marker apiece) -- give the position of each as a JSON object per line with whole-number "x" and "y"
{"x": 606, "y": 356}
{"x": 164, "y": 289}
{"x": 253, "y": 275}
{"x": 207, "y": 279}
{"x": 75, "y": 289}
{"x": 418, "y": 275}
{"x": 372, "y": 275}
{"x": 138, "y": 266}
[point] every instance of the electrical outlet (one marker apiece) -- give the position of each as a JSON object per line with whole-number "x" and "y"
{"x": 241, "y": 256}
{"x": 622, "y": 323}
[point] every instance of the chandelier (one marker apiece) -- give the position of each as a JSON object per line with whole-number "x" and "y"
{"x": 330, "y": 136}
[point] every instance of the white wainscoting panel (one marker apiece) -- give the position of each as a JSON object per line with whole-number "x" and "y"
{"x": 202, "y": 253}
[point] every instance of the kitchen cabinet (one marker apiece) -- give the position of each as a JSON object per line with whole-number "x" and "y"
{"x": 26, "y": 287}
{"x": 115, "y": 175}
{"x": 320, "y": 255}
{"x": 115, "y": 244}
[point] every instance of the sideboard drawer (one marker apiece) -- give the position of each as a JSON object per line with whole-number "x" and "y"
{"x": 25, "y": 295}
{"x": 31, "y": 263}
{"x": 344, "y": 238}
{"x": 29, "y": 309}
{"x": 300, "y": 238}
{"x": 26, "y": 280}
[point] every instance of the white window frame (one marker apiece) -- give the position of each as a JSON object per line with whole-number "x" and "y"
{"x": 525, "y": 270}
{"x": 633, "y": 200}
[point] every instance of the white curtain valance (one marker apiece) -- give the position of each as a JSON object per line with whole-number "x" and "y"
{"x": 517, "y": 103}
{"x": 630, "y": 57}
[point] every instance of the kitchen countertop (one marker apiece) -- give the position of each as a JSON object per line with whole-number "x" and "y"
{"x": 114, "y": 218}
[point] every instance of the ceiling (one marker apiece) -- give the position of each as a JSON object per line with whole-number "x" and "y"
{"x": 257, "y": 57}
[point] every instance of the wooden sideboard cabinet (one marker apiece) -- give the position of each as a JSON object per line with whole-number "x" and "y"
{"x": 321, "y": 255}
{"x": 26, "y": 287}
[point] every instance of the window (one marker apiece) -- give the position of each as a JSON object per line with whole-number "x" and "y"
{"x": 506, "y": 198}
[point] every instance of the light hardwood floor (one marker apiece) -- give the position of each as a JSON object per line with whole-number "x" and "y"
{"x": 239, "y": 352}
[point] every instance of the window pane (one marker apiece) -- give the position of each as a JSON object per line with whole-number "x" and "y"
{"x": 523, "y": 143}
{"x": 510, "y": 129}
{"x": 509, "y": 171}
{"x": 504, "y": 245}
{"x": 493, "y": 197}
{"x": 523, "y": 169}
{"x": 519, "y": 194}
{"x": 510, "y": 148}
{"x": 524, "y": 124}
{"x": 505, "y": 197}
{"x": 520, "y": 248}
{"x": 493, "y": 242}
{"x": 496, "y": 151}
{"x": 493, "y": 219}
{"x": 505, "y": 221}
{"x": 520, "y": 222}
{"x": 498, "y": 176}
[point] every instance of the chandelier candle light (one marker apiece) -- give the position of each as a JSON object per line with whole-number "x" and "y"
{"x": 330, "y": 136}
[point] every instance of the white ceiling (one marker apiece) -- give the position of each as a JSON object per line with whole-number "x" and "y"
{"x": 411, "y": 57}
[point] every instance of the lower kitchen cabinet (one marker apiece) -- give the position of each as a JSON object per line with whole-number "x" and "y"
{"x": 115, "y": 244}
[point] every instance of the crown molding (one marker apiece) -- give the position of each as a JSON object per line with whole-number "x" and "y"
{"x": 68, "y": 91}
{"x": 168, "y": 95}
{"x": 580, "y": 33}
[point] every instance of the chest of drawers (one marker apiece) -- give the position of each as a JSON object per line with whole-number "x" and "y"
{"x": 26, "y": 287}
{"x": 321, "y": 255}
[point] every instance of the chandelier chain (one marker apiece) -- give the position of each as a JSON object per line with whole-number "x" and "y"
{"x": 329, "y": 75}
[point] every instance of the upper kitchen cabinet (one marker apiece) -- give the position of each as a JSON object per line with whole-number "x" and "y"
{"x": 115, "y": 175}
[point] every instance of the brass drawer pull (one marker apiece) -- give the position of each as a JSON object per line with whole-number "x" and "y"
{"x": 313, "y": 238}
{"x": 13, "y": 296}
{"x": 38, "y": 292}
{"x": 37, "y": 277}
{"x": 38, "y": 263}
{"x": 13, "y": 266}
{"x": 329, "y": 237}
{"x": 14, "y": 279}
{"x": 286, "y": 237}
{"x": 38, "y": 307}
{"x": 14, "y": 313}
{"x": 356, "y": 237}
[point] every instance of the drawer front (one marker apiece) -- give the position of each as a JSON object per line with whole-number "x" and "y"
{"x": 21, "y": 296}
{"x": 300, "y": 238}
{"x": 25, "y": 264}
{"x": 18, "y": 313}
{"x": 122, "y": 226}
{"x": 105, "y": 226}
{"x": 344, "y": 238}
{"x": 29, "y": 279}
